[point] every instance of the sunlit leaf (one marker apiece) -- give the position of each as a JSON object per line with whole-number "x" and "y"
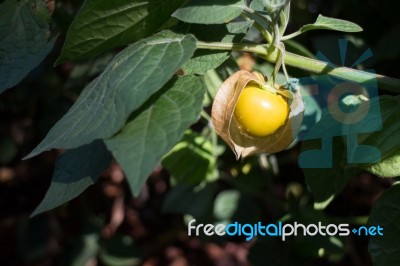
{"x": 209, "y": 11}
{"x": 156, "y": 128}
{"x": 102, "y": 25}
{"x": 327, "y": 23}
{"x": 191, "y": 160}
{"x": 128, "y": 81}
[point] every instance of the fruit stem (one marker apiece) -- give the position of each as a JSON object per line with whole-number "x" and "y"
{"x": 308, "y": 64}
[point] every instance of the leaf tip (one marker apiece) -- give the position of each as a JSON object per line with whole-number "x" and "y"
{"x": 33, "y": 214}
{"x": 176, "y": 14}
{"x": 32, "y": 154}
{"x": 60, "y": 60}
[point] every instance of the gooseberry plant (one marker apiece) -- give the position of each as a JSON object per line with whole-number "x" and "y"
{"x": 173, "y": 56}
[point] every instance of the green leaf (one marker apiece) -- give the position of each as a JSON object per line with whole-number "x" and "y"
{"x": 268, "y": 6}
{"x": 191, "y": 160}
{"x": 102, "y": 25}
{"x": 386, "y": 140}
{"x": 189, "y": 199}
{"x": 312, "y": 111}
{"x": 128, "y": 81}
{"x": 336, "y": 165}
{"x": 385, "y": 250}
{"x": 75, "y": 170}
{"x": 156, "y": 128}
{"x": 328, "y": 181}
{"x": 204, "y": 60}
{"x": 209, "y": 11}
{"x": 328, "y": 175}
{"x": 388, "y": 167}
{"x": 284, "y": 16}
{"x": 258, "y": 5}
{"x": 24, "y": 39}
{"x": 238, "y": 27}
{"x": 226, "y": 204}
{"x": 327, "y": 23}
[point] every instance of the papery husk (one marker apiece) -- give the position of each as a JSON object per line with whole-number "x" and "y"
{"x": 229, "y": 130}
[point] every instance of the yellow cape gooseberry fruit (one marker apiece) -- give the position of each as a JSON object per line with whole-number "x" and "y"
{"x": 260, "y": 112}
{"x": 253, "y": 118}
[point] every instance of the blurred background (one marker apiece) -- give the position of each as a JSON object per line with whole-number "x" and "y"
{"x": 107, "y": 226}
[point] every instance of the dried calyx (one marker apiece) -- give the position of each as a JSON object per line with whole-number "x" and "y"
{"x": 270, "y": 132}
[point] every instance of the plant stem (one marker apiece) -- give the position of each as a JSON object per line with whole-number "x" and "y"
{"x": 290, "y": 36}
{"x": 308, "y": 64}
